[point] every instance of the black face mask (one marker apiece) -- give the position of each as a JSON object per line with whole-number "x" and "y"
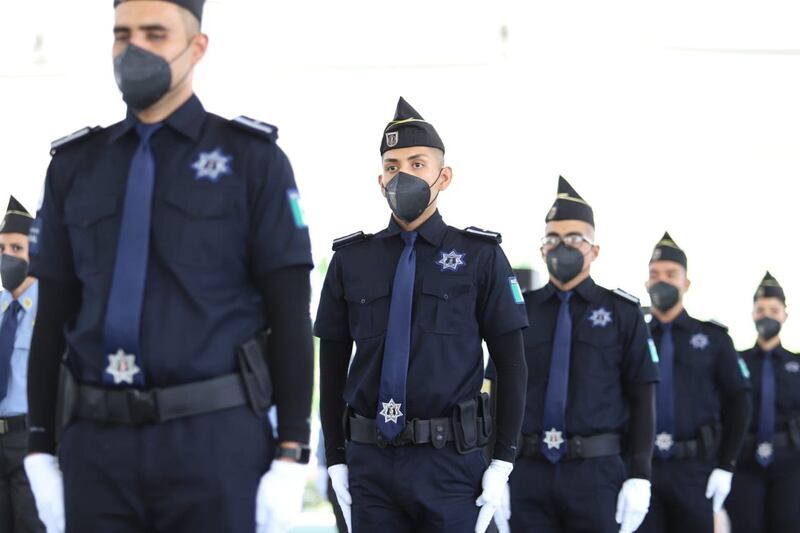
{"x": 768, "y": 328}
{"x": 142, "y": 76}
{"x": 13, "y": 270}
{"x": 664, "y": 295}
{"x": 564, "y": 263}
{"x": 409, "y": 195}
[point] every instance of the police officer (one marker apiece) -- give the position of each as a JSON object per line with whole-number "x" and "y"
{"x": 18, "y": 303}
{"x": 764, "y": 497}
{"x": 703, "y": 404}
{"x": 417, "y": 298}
{"x": 590, "y": 391}
{"x": 167, "y": 246}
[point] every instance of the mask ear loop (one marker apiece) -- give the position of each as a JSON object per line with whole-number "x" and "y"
{"x": 431, "y": 187}
{"x": 189, "y": 45}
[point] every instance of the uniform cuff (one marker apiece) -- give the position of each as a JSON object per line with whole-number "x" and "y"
{"x": 504, "y": 453}
{"x": 293, "y": 434}
{"x": 39, "y": 442}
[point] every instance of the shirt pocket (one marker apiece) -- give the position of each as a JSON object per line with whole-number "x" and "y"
{"x": 199, "y": 227}
{"x": 368, "y": 309}
{"x": 597, "y": 353}
{"x": 538, "y": 352}
{"x": 446, "y": 306}
{"x": 93, "y": 226}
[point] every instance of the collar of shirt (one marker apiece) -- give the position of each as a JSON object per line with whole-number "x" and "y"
{"x": 187, "y": 119}
{"x": 683, "y": 321}
{"x": 28, "y": 300}
{"x": 432, "y": 230}
{"x": 586, "y": 289}
{"x": 778, "y": 351}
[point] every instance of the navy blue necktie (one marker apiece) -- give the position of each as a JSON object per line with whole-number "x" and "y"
{"x": 665, "y": 400}
{"x": 391, "y": 417}
{"x": 124, "y": 312}
{"x": 8, "y": 334}
{"x": 554, "y": 435}
{"x": 766, "y": 415}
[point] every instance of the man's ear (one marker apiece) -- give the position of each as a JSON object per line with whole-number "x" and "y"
{"x": 445, "y": 178}
{"x": 199, "y": 47}
{"x": 380, "y": 185}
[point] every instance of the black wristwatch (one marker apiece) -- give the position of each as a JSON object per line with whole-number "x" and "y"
{"x": 301, "y": 454}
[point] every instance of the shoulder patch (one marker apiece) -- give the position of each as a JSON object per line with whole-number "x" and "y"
{"x": 268, "y": 131}
{"x": 72, "y": 137}
{"x": 626, "y": 296}
{"x": 491, "y": 236}
{"x": 347, "y": 240}
{"x": 720, "y": 325}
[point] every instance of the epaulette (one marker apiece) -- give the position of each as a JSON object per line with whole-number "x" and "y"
{"x": 626, "y": 296}
{"x": 720, "y": 325}
{"x": 268, "y": 131}
{"x": 347, "y": 240}
{"x": 491, "y": 236}
{"x": 72, "y": 137}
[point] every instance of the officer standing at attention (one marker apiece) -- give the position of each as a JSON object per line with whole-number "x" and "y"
{"x": 167, "y": 246}
{"x": 703, "y": 404}
{"x": 590, "y": 395}
{"x": 764, "y": 497}
{"x": 18, "y": 303}
{"x": 418, "y": 298}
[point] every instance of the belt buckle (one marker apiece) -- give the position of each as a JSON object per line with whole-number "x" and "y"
{"x": 143, "y": 406}
{"x": 3, "y": 426}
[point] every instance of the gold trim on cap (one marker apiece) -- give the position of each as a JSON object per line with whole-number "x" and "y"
{"x": 671, "y": 244}
{"x": 404, "y": 121}
{"x": 20, "y": 213}
{"x": 566, "y": 196}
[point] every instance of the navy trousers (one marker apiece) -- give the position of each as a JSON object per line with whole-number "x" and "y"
{"x": 679, "y": 502}
{"x": 566, "y": 497}
{"x": 197, "y": 474}
{"x": 414, "y": 489}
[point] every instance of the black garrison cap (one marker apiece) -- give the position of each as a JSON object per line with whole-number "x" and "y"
{"x": 195, "y": 7}
{"x": 667, "y": 250}
{"x": 409, "y": 129}
{"x": 770, "y": 288}
{"x": 569, "y": 205}
{"x": 17, "y": 219}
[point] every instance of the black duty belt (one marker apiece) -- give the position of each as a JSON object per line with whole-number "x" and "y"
{"x": 577, "y": 447}
{"x": 781, "y": 439}
{"x": 436, "y": 431}
{"x": 13, "y": 423}
{"x": 704, "y": 447}
{"x": 135, "y": 406}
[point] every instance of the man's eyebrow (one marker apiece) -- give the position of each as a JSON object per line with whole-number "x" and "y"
{"x": 143, "y": 27}
{"x": 417, "y": 156}
{"x": 391, "y": 160}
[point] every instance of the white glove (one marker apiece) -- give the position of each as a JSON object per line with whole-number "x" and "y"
{"x": 340, "y": 479}
{"x": 322, "y": 482}
{"x": 279, "y": 499}
{"x": 47, "y": 485}
{"x": 494, "y": 483}
{"x": 633, "y": 503}
{"x": 719, "y": 485}
{"x": 503, "y": 513}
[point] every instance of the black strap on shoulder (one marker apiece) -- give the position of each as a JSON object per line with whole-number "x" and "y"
{"x": 486, "y": 235}
{"x": 262, "y": 129}
{"x": 72, "y": 138}
{"x": 347, "y": 240}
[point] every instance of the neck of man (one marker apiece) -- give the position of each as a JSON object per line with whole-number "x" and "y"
{"x": 669, "y": 316}
{"x": 420, "y": 220}
{"x": 571, "y": 284}
{"x": 169, "y": 103}
{"x": 769, "y": 345}
{"x": 16, "y": 293}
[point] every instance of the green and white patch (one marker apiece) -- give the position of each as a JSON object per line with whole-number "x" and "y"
{"x": 516, "y": 291}
{"x": 743, "y": 367}
{"x": 653, "y": 351}
{"x": 296, "y": 207}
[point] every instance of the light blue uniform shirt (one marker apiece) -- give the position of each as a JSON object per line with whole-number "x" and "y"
{"x": 16, "y": 400}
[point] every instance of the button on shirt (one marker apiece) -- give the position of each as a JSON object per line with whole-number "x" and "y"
{"x": 16, "y": 400}
{"x": 224, "y": 214}
{"x": 706, "y": 371}
{"x": 787, "y": 384}
{"x": 609, "y": 351}
{"x": 462, "y": 294}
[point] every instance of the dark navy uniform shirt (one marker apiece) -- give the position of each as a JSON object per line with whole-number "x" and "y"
{"x": 787, "y": 384}
{"x": 706, "y": 371}
{"x": 609, "y": 351}
{"x": 464, "y": 291}
{"x": 224, "y": 214}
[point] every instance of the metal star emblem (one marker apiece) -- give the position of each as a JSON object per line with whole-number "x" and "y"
{"x": 553, "y": 438}
{"x": 451, "y": 261}
{"x": 664, "y": 442}
{"x": 699, "y": 341}
{"x": 600, "y": 318}
{"x": 793, "y": 367}
{"x": 765, "y": 450}
{"x": 122, "y": 367}
{"x": 212, "y": 165}
{"x": 391, "y": 411}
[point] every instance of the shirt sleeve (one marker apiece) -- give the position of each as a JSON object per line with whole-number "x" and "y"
{"x": 332, "y": 315}
{"x": 732, "y": 374}
{"x": 278, "y": 233}
{"x": 640, "y": 356}
{"x": 50, "y": 248}
{"x": 501, "y": 307}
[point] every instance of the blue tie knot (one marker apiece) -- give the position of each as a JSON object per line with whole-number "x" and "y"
{"x": 667, "y": 327}
{"x": 146, "y": 131}
{"x": 14, "y": 307}
{"x": 565, "y": 296}
{"x": 409, "y": 237}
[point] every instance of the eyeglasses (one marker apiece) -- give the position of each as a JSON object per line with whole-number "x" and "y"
{"x": 573, "y": 240}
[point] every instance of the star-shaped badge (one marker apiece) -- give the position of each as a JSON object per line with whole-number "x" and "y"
{"x": 451, "y": 260}
{"x": 391, "y": 411}
{"x": 122, "y": 367}
{"x": 664, "y": 442}
{"x": 212, "y": 165}
{"x": 793, "y": 367}
{"x": 600, "y": 318}
{"x": 765, "y": 450}
{"x": 553, "y": 438}
{"x": 699, "y": 341}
